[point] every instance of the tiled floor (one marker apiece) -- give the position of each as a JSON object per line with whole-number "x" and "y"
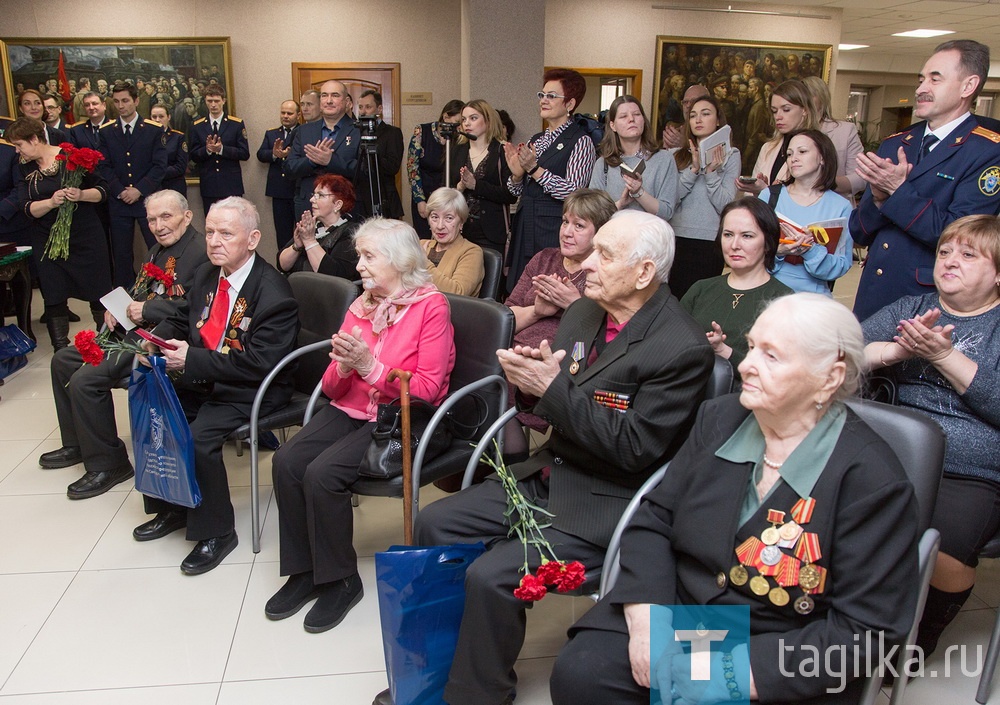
{"x": 87, "y": 615}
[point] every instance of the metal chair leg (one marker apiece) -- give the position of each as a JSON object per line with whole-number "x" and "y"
{"x": 989, "y": 665}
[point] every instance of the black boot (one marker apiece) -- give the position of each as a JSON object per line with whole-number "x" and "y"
{"x": 97, "y": 311}
{"x": 58, "y": 331}
{"x": 939, "y": 610}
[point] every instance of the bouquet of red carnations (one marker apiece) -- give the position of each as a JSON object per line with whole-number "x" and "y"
{"x": 78, "y": 161}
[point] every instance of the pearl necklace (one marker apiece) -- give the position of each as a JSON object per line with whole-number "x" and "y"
{"x": 771, "y": 464}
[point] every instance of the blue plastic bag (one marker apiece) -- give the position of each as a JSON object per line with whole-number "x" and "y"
{"x": 14, "y": 349}
{"x": 421, "y": 597}
{"x": 161, "y": 437}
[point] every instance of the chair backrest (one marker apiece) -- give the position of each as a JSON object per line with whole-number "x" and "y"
{"x": 482, "y": 326}
{"x": 323, "y": 303}
{"x": 917, "y": 441}
{"x": 493, "y": 264}
{"x": 721, "y": 381}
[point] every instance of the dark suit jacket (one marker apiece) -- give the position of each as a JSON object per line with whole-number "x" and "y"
{"x": 12, "y": 217}
{"x": 55, "y": 136}
{"x": 597, "y": 455}
{"x": 221, "y": 174}
{"x": 177, "y": 162}
{"x": 139, "y": 161}
{"x": 491, "y": 189}
{"x": 344, "y": 160}
{"x": 81, "y": 135}
{"x": 189, "y": 254}
{"x": 389, "y": 149}
{"x": 271, "y": 334}
{"x": 681, "y": 545}
{"x": 960, "y": 177}
{"x": 279, "y": 185}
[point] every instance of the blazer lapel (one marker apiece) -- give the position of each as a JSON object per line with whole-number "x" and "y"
{"x": 634, "y": 331}
{"x": 944, "y": 151}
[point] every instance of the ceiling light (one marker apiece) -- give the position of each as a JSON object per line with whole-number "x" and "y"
{"x": 849, "y": 47}
{"x": 923, "y": 33}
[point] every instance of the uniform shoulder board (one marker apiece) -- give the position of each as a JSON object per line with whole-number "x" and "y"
{"x": 897, "y": 134}
{"x": 234, "y": 118}
{"x": 198, "y": 121}
{"x": 3, "y": 141}
{"x": 81, "y": 122}
{"x": 176, "y": 132}
{"x": 988, "y": 134}
{"x": 109, "y": 123}
{"x": 272, "y": 129}
{"x": 148, "y": 121}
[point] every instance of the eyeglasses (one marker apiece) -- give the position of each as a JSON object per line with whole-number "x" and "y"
{"x": 548, "y": 96}
{"x": 320, "y": 194}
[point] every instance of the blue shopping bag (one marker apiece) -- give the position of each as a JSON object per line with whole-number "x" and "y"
{"x": 421, "y": 597}
{"x": 14, "y": 349}
{"x": 161, "y": 437}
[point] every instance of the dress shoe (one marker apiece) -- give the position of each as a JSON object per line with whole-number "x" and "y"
{"x": 385, "y": 698}
{"x": 96, "y": 483}
{"x": 73, "y": 318}
{"x": 335, "y": 600}
{"x": 62, "y": 458}
{"x": 292, "y": 596}
{"x": 209, "y": 553}
{"x": 159, "y": 526}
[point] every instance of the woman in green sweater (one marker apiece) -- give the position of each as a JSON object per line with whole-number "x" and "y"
{"x": 726, "y": 306}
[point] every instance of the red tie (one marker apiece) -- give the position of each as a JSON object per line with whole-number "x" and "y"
{"x": 211, "y": 332}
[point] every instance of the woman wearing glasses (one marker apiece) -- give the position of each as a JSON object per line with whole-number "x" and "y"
{"x": 551, "y": 166}
{"x": 323, "y": 237}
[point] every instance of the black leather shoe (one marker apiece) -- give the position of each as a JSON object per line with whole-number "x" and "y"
{"x": 292, "y": 596}
{"x": 97, "y": 483}
{"x": 62, "y": 458}
{"x": 159, "y": 526}
{"x": 335, "y": 600}
{"x": 209, "y": 553}
{"x": 383, "y": 698}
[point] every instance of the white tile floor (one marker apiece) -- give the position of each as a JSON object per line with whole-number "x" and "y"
{"x": 89, "y": 616}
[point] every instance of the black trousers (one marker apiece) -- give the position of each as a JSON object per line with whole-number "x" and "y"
{"x": 211, "y": 422}
{"x": 493, "y": 623}
{"x": 85, "y": 409}
{"x": 122, "y": 236}
{"x": 594, "y": 669}
{"x": 313, "y": 474}
{"x": 283, "y": 211}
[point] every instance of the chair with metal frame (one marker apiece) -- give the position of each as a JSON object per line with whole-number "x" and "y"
{"x": 493, "y": 267}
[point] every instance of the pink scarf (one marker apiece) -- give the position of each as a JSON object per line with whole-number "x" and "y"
{"x": 383, "y": 312}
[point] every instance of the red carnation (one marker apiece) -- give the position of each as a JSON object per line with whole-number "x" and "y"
{"x": 549, "y": 572}
{"x": 89, "y": 350}
{"x": 570, "y": 577}
{"x": 532, "y": 589}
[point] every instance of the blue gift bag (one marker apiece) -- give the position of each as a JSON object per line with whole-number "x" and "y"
{"x": 161, "y": 437}
{"x": 421, "y": 597}
{"x": 14, "y": 349}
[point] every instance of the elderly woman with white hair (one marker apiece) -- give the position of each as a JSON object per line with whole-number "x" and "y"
{"x": 400, "y": 321}
{"x": 782, "y": 502}
{"x": 454, "y": 263}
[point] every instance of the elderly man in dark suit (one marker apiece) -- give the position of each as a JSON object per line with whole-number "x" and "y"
{"x": 274, "y": 149}
{"x": 135, "y": 160}
{"x": 82, "y": 393}
{"x": 327, "y": 146}
{"x": 388, "y": 153}
{"x": 238, "y": 320}
{"x": 620, "y": 387}
{"x": 218, "y": 144}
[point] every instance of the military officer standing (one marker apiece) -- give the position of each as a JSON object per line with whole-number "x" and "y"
{"x": 218, "y": 144}
{"x": 274, "y": 149}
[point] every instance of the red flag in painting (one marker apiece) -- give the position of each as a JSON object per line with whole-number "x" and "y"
{"x": 64, "y": 89}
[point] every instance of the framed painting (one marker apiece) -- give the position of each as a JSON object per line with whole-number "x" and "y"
{"x": 739, "y": 74}
{"x": 171, "y": 71}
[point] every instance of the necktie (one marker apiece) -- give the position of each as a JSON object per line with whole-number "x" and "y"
{"x": 925, "y": 145}
{"x": 215, "y": 127}
{"x": 211, "y": 332}
{"x": 128, "y": 130}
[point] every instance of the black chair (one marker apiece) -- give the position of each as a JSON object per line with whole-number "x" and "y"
{"x": 481, "y": 327}
{"x": 493, "y": 264}
{"x": 918, "y": 442}
{"x": 323, "y": 303}
{"x": 990, "y": 550}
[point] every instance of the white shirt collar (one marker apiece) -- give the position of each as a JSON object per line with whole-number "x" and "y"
{"x": 238, "y": 278}
{"x": 135, "y": 120}
{"x": 942, "y": 132}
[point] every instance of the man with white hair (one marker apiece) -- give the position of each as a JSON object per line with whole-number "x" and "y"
{"x": 620, "y": 386}
{"x": 238, "y": 320}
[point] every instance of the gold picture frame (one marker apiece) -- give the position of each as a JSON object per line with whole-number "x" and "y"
{"x": 681, "y": 61}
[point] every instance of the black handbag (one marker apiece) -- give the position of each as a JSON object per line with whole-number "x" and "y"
{"x": 384, "y": 458}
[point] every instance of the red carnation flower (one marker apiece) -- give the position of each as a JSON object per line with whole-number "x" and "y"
{"x": 571, "y": 576}
{"x": 532, "y": 589}
{"x": 549, "y": 572}
{"x": 88, "y": 348}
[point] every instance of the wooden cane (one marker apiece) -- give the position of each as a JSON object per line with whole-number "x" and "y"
{"x": 404, "y": 405}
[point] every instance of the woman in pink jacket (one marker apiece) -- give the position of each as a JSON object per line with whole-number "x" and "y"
{"x": 400, "y": 321}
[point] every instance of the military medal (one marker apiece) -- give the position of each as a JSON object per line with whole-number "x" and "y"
{"x": 803, "y": 510}
{"x": 770, "y": 555}
{"x": 770, "y": 535}
{"x": 738, "y": 575}
{"x": 578, "y": 352}
{"x": 789, "y": 534}
{"x": 778, "y": 596}
{"x": 759, "y": 585}
{"x": 809, "y": 577}
{"x": 804, "y": 605}
{"x": 225, "y": 349}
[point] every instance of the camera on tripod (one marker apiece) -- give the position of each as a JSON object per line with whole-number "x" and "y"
{"x": 447, "y": 130}
{"x": 367, "y": 124}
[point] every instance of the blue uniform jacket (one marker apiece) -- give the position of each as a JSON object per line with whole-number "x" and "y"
{"x": 279, "y": 185}
{"x": 344, "y": 160}
{"x": 959, "y": 177}
{"x": 177, "y": 162}
{"x": 12, "y": 218}
{"x": 221, "y": 174}
{"x": 81, "y": 135}
{"x": 140, "y": 161}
